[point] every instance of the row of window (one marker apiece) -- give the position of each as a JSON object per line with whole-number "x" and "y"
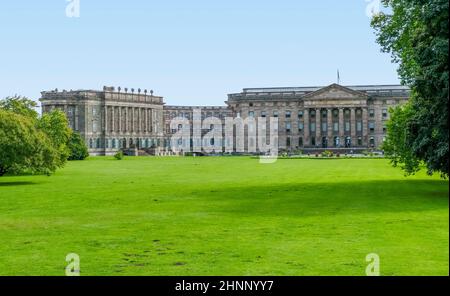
{"x": 324, "y": 127}
{"x": 189, "y": 115}
{"x": 336, "y": 142}
{"x": 384, "y": 102}
{"x": 122, "y": 143}
{"x": 335, "y": 127}
{"x": 312, "y": 113}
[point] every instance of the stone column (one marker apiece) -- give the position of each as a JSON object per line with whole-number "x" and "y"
{"x": 365, "y": 125}
{"x": 132, "y": 120}
{"x": 153, "y": 121}
{"x": 87, "y": 121}
{"x": 306, "y": 128}
{"x": 142, "y": 119}
{"x": 145, "y": 120}
{"x": 77, "y": 128}
{"x": 106, "y": 119}
{"x": 318, "y": 128}
{"x": 126, "y": 119}
{"x": 138, "y": 120}
{"x": 341, "y": 127}
{"x": 149, "y": 122}
{"x": 353, "y": 125}
{"x": 119, "y": 109}
{"x": 330, "y": 126}
{"x": 112, "y": 119}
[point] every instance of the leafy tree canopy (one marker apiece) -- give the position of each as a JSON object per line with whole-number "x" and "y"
{"x": 56, "y": 126}
{"x": 23, "y": 147}
{"x": 20, "y": 105}
{"x": 29, "y": 144}
{"x": 416, "y": 34}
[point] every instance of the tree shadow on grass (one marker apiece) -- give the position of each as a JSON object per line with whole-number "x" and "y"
{"x": 316, "y": 199}
{"x": 17, "y": 183}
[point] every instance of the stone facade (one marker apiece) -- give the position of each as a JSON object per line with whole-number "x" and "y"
{"x": 111, "y": 120}
{"x": 323, "y": 117}
{"x": 309, "y": 117}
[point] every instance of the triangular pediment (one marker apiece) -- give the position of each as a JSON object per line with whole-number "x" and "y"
{"x": 335, "y": 92}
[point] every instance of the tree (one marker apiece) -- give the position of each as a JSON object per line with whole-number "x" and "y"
{"x": 29, "y": 144}
{"x": 397, "y": 144}
{"x": 77, "y": 147}
{"x": 56, "y": 126}
{"x": 23, "y": 147}
{"x": 20, "y": 105}
{"x": 416, "y": 35}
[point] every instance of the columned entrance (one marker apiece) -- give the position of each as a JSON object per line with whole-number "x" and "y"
{"x": 337, "y": 142}
{"x": 348, "y": 142}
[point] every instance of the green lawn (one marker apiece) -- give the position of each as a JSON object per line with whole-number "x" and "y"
{"x": 224, "y": 216}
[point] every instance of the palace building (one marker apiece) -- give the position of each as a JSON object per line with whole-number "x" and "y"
{"x": 310, "y": 118}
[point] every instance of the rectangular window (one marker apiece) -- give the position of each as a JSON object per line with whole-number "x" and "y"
{"x": 300, "y": 114}
{"x": 275, "y": 113}
{"x": 288, "y": 114}
{"x": 385, "y": 113}
{"x": 372, "y": 126}
{"x": 288, "y": 127}
{"x": 251, "y": 114}
{"x": 359, "y": 126}
{"x": 324, "y": 127}
{"x": 288, "y": 142}
{"x": 347, "y": 126}
{"x": 263, "y": 114}
{"x": 336, "y": 127}
{"x": 372, "y": 113}
{"x": 300, "y": 126}
{"x": 313, "y": 127}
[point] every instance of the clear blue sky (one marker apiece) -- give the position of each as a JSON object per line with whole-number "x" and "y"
{"x": 190, "y": 52}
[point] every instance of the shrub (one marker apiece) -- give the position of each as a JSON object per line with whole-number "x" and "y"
{"x": 77, "y": 147}
{"x": 327, "y": 154}
{"x": 119, "y": 155}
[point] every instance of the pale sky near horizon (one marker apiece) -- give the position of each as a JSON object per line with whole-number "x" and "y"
{"x": 191, "y": 52}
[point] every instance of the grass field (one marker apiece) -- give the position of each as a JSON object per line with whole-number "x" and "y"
{"x": 224, "y": 216}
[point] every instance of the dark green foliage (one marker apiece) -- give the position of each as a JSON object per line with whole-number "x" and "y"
{"x": 119, "y": 155}
{"x": 20, "y": 105}
{"x": 77, "y": 147}
{"x": 56, "y": 126}
{"x": 416, "y": 34}
{"x": 23, "y": 147}
{"x": 29, "y": 144}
